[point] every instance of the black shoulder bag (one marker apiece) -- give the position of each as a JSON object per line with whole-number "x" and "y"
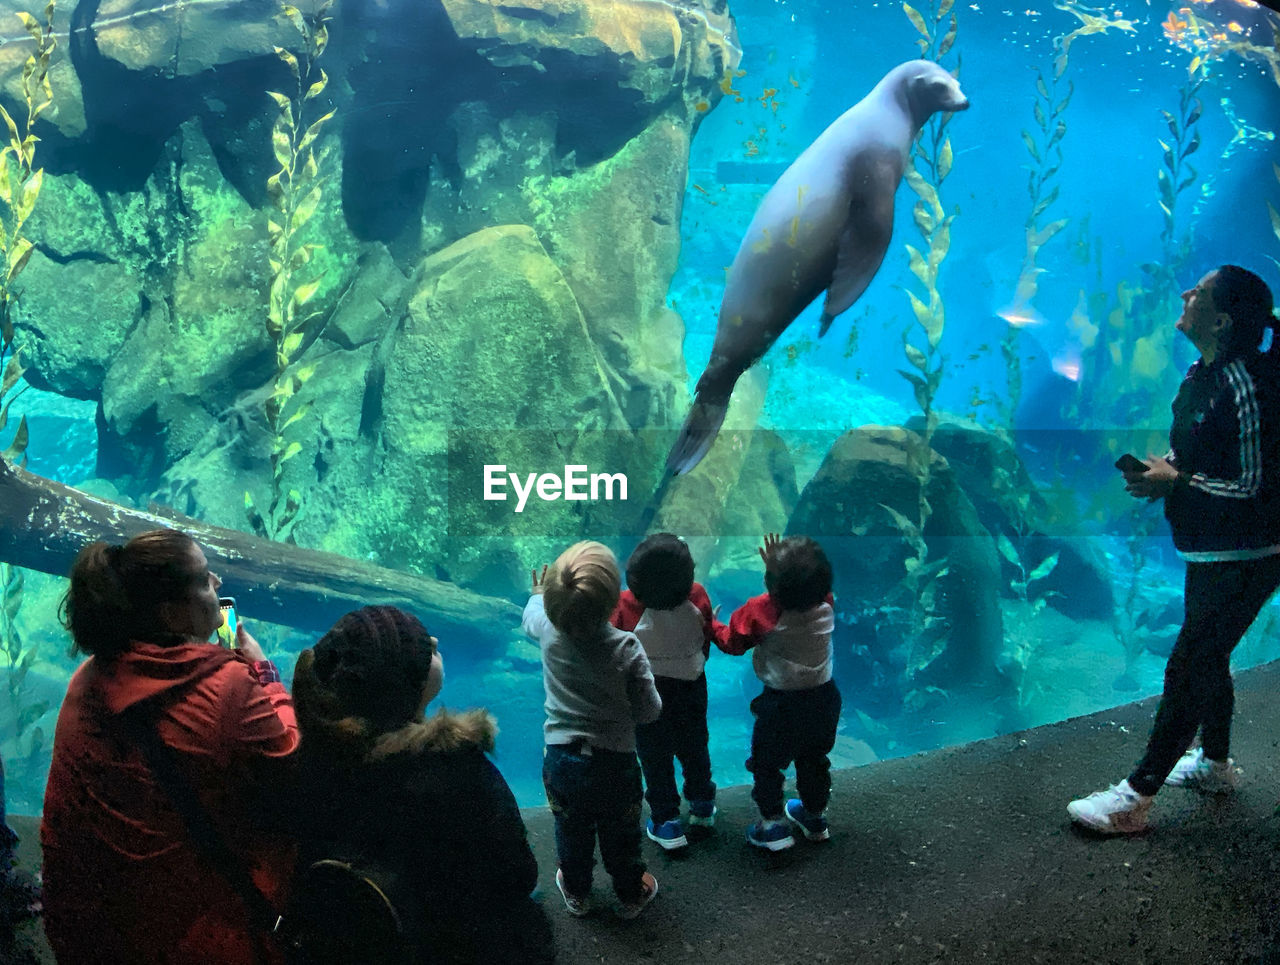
{"x": 140, "y": 725}
{"x": 338, "y": 913}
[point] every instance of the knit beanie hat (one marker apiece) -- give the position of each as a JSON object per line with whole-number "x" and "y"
{"x": 374, "y": 663}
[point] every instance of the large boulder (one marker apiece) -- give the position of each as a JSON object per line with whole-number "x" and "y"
{"x": 185, "y": 39}
{"x": 484, "y": 361}
{"x": 991, "y": 473}
{"x": 627, "y": 49}
{"x": 615, "y": 230}
{"x": 69, "y": 343}
{"x": 860, "y": 506}
{"x": 66, "y": 113}
{"x": 514, "y": 176}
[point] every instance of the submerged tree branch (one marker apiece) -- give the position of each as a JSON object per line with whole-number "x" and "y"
{"x": 44, "y": 524}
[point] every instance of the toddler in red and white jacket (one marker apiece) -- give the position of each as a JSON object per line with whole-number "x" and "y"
{"x": 788, "y": 629}
{"x": 672, "y": 617}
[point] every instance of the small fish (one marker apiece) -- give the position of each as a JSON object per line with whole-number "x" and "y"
{"x": 702, "y": 107}
{"x": 752, "y": 149}
{"x": 700, "y": 189}
{"x": 794, "y": 83}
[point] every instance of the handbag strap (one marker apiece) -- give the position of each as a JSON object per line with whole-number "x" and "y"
{"x": 139, "y": 721}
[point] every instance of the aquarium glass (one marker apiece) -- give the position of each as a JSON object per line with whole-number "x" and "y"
{"x": 310, "y": 275}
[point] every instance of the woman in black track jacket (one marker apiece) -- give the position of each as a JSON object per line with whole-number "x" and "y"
{"x": 1222, "y": 499}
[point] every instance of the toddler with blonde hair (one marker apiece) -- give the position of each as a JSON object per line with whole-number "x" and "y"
{"x": 598, "y": 688}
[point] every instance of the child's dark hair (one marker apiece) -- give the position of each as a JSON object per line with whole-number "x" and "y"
{"x": 660, "y": 571}
{"x": 797, "y": 573}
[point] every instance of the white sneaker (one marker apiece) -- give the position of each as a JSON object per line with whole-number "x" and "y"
{"x": 1200, "y": 773}
{"x": 1117, "y": 810}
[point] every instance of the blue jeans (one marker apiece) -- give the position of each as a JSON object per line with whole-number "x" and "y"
{"x": 594, "y": 794}
{"x": 681, "y": 732}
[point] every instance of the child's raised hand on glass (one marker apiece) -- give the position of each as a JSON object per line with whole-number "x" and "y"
{"x": 771, "y": 541}
{"x": 540, "y": 580}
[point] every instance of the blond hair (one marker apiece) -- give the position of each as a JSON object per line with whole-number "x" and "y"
{"x": 582, "y": 589}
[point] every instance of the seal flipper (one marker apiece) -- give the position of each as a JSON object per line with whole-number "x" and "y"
{"x": 696, "y": 436}
{"x": 863, "y": 244}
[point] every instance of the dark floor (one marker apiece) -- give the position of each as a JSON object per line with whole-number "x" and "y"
{"x": 964, "y": 855}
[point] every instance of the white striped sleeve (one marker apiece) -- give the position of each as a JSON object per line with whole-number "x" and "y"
{"x": 1247, "y": 484}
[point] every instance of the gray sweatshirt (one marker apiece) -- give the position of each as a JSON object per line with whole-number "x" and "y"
{"x": 597, "y": 690}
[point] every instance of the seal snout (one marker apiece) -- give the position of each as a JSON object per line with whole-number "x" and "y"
{"x": 955, "y": 99}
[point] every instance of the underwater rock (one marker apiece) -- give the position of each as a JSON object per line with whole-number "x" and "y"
{"x": 648, "y": 50}
{"x": 69, "y": 343}
{"x": 483, "y": 359}
{"x": 1080, "y": 582}
{"x": 492, "y": 364}
{"x": 197, "y": 257}
{"x": 66, "y": 112}
{"x": 843, "y": 508}
{"x": 989, "y": 470}
{"x": 614, "y": 230}
{"x": 506, "y": 304}
{"x": 368, "y": 306}
{"x": 189, "y": 38}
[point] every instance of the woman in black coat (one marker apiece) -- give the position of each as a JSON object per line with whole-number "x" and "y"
{"x": 384, "y": 786}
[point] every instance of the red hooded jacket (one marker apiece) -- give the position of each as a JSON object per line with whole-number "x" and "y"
{"x": 123, "y": 882}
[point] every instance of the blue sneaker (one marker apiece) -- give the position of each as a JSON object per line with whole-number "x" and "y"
{"x": 702, "y": 814}
{"x": 770, "y": 835}
{"x": 669, "y": 834}
{"x": 814, "y": 826}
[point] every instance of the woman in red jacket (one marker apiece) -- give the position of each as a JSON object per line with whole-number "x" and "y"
{"x": 124, "y": 882}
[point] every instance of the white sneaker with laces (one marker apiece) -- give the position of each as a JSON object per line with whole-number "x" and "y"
{"x": 577, "y": 906}
{"x": 1200, "y": 773}
{"x": 1117, "y": 810}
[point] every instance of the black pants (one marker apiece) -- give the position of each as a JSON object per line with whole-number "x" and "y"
{"x": 1221, "y": 600}
{"x": 595, "y": 795}
{"x": 681, "y": 732}
{"x": 793, "y": 725}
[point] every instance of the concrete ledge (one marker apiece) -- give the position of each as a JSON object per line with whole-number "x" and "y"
{"x": 962, "y": 855}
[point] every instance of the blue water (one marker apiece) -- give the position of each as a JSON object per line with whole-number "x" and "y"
{"x": 805, "y": 63}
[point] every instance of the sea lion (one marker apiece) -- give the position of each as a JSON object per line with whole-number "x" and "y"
{"x": 824, "y": 225}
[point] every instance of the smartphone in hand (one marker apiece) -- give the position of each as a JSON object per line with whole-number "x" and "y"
{"x": 227, "y": 630}
{"x": 1131, "y": 463}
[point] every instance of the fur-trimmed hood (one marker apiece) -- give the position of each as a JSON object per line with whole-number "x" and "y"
{"x": 443, "y": 732}
{"x": 324, "y": 721}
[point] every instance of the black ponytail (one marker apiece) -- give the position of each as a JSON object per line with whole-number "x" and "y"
{"x": 1246, "y": 298}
